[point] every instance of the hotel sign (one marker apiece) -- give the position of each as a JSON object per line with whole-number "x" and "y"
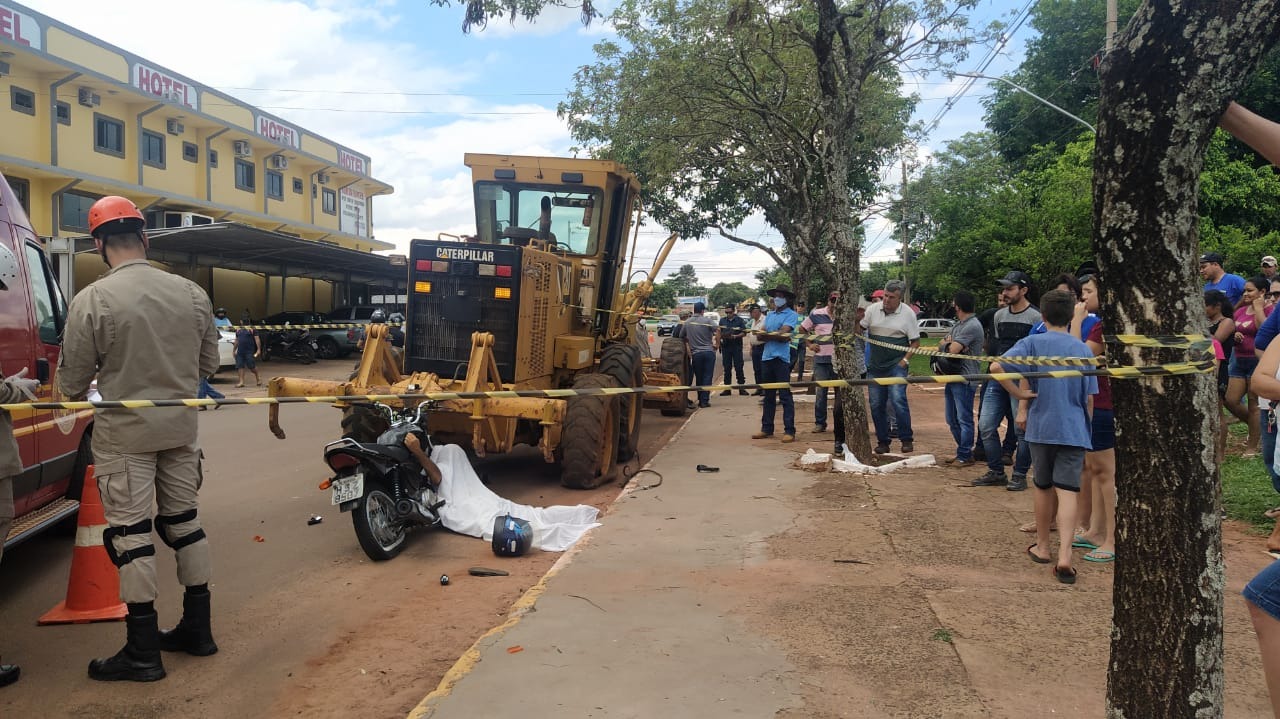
{"x": 19, "y": 28}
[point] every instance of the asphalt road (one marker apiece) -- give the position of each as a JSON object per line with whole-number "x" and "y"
{"x": 307, "y": 625}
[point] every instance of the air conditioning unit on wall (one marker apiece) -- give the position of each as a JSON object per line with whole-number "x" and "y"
{"x": 242, "y": 148}
{"x": 173, "y": 127}
{"x": 279, "y": 162}
{"x": 186, "y": 219}
{"x": 322, "y": 178}
{"x": 88, "y": 97}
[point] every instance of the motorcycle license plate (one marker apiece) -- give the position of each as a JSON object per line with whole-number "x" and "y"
{"x": 347, "y": 489}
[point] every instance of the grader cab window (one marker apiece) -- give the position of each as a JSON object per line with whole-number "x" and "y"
{"x": 513, "y": 214}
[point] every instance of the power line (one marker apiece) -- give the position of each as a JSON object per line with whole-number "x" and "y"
{"x": 1021, "y": 18}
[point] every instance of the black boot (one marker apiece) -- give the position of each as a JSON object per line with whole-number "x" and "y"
{"x": 193, "y": 634}
{"x": 139, "y": 660}
{"x": 9, "y": 674}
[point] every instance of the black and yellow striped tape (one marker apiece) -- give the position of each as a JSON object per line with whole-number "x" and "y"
{"x": 1181, "y": 368}
{"x": 327, "y": 326}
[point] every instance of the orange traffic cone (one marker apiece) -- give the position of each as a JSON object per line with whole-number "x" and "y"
{"x": 93, "y": 592}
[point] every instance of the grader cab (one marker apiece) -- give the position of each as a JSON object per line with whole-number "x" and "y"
{"x": 535, "y": 300}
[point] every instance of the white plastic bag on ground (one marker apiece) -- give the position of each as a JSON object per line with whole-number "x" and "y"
{"x": 470, "y": 507}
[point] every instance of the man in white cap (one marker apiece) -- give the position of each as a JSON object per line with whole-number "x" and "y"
{"x": 1268, "y": 268}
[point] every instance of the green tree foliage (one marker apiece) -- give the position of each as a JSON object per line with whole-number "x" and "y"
{"x": 876, "y": 276}
{"x": 980, "y": 217}
{"x": 684, "y": 282}
{"x": 1059, "y": 67}
{"x": 724, "y": 293}
{"x": 662, "y": 297}
{"x": 716, "y": 106}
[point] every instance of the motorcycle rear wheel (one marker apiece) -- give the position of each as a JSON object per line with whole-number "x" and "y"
{"x": 380, "y": 535}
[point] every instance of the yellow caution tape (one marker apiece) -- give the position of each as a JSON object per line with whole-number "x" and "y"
{"x": 1180, "y": 368}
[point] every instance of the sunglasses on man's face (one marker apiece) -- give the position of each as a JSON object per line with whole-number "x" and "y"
{"x": 1273, "y": 295}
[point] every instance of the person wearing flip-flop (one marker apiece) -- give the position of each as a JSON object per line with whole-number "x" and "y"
{"x": 1056, "y": 418}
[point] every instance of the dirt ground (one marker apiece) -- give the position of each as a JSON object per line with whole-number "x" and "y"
{"x": 941, "y": 614}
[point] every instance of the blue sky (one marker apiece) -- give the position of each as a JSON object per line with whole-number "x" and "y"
{"x": 399, "y": 81}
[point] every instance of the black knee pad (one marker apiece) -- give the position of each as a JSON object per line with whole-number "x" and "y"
{"x": 163, "y": 522}
{"x": 122, "y": 558}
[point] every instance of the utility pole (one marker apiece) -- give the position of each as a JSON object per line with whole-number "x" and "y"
{"x": 906, "y": 292}
{"x": 1111, "y": 24}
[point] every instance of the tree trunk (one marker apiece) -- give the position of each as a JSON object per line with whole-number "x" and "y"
{"x": 849, "y": 355}
{"x": 1163, "y": 87}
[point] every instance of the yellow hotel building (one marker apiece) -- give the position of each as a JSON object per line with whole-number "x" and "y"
{"x": 264, "y": 214}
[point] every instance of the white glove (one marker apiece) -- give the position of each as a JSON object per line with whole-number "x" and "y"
{"x": 24, "y": 385}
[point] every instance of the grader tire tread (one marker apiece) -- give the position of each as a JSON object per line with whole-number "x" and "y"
{"x": 583, "y": 434}
{"x": 362, "y": 424}
{"x": 622, "y": 362}
{"x": 671, "y": 360}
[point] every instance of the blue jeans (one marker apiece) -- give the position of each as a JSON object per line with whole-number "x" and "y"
{"x": 822, "y": 370}
{"x": 1268, "y": 446}
{"x": 959, "y": 414}
{"x": 207, "y": 390}
{"x": 1010, "y": 444}
{"x": 704, "y": 369}
{"x": 778, "y": 370}
{"x": 880, "y": 396}
{"x": 996, "y": 404}
{"x": 731, "y": 357}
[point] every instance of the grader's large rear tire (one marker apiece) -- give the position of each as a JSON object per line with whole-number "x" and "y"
{"x": 363, "y": 424}
{"x": 589, "y": 440}
{"x": 622, "y": 362}
{"x": 672, "y": 361}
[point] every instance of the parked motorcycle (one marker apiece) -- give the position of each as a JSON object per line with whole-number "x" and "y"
{"x": 291, "y": 344}
{"x": 385, "y": 487}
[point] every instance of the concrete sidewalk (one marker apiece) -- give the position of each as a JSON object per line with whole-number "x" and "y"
{"x": 632, "y": 623}
{"x": 765, "y": 591}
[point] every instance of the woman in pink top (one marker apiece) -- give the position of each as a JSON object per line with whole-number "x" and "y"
{"x": 1249, "y": 316}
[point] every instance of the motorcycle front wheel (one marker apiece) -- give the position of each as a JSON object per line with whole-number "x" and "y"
{"x": 380, "y": 535}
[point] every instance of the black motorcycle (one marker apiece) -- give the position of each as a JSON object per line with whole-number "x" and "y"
{"x": 291, "y": 344}
{"x": 382, "y": 484}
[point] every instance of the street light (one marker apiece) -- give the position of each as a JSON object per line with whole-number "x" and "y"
{"x": 1016, "y": 86}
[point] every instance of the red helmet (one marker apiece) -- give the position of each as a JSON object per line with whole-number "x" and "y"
{"x": 114, "y": 208}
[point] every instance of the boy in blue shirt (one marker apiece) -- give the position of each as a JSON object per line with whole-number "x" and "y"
{"x": 1057, "y": 415}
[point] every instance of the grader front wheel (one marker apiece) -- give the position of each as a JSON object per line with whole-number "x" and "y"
{"x": 622, "y": 362}
{"x": 589, "y": 440}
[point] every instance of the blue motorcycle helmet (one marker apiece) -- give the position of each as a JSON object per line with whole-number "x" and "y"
{"x": 512, "y": 536}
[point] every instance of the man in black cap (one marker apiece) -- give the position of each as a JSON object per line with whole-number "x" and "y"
{"x": 1012, "y": 322}
{"x": 1216, "y": 278}
{"x": 732, "y": 329}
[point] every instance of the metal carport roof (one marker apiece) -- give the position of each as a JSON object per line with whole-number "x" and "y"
{"x": 235, "y": 246}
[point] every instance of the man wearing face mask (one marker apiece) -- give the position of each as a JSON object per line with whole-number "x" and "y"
{"x": 146, "y": 334}
{"x": 776, "y": 363}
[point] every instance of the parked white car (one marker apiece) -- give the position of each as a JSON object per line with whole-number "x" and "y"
{"x": 226, "y": 349}
{"x": 935, "y": 326}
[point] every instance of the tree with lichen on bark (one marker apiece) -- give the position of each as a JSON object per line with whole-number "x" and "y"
{"x": 1163, "y": 87}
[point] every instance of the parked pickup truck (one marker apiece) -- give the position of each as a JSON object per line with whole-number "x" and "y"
{"x": 54, "y": 444}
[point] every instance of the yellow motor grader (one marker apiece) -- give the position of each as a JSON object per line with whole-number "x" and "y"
{"x": 534, "y": 300}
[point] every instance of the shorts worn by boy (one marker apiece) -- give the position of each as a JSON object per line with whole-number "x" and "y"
{"x": 1059, "y": 427}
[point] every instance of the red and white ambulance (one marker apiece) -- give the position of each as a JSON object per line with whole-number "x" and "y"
{"x": 54, "y": 444}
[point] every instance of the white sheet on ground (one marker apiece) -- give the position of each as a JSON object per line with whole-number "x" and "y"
{"x": 470, "y": 507}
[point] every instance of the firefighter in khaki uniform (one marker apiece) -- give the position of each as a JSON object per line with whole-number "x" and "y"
{"x": 12, "y": 389}
{"x": 146, "y": 334}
